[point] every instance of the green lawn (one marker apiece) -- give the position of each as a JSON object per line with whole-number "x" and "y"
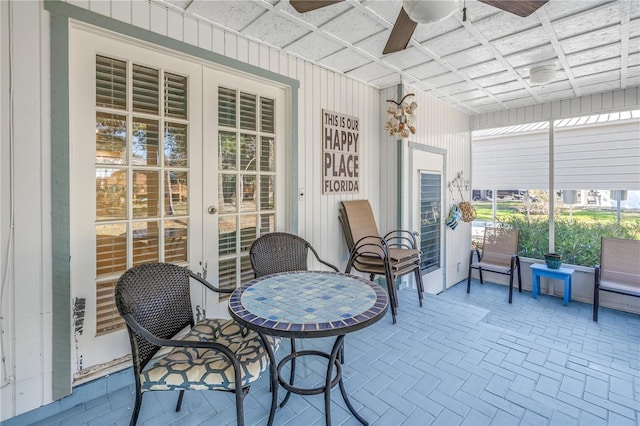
{"x": 579, "y": 214}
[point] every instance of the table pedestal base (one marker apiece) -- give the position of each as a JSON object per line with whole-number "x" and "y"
{"x": 330, "y": 380}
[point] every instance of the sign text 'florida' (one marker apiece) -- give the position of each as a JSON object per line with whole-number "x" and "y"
{"x": 340, "y": 152}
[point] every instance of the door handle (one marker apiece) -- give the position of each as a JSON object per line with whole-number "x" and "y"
{"x": 212, "y": 210}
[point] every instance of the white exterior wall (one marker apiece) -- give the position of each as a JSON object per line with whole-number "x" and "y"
{"x": 26, "y": 259}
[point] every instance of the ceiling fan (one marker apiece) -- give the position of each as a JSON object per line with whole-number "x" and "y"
{"x": 413, "y": 12}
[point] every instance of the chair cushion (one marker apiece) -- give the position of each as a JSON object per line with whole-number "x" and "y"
{"x": 204, "y": 369}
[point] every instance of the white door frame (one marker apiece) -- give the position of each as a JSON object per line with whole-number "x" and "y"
{"x": 413, "y": 187}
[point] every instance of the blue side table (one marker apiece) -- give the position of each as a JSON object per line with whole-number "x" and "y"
{"x": 540, "y": 270}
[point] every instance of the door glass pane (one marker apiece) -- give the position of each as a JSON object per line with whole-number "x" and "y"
{"x": 108, "y": 318}
{"x": 176, "y": 240}
{"x": 267, "y": 114}
{"x": 146, "y": 89}
{"x": 248, "y": 230}
{"x": 267, "y": 200}
{"x": 228, "y": 191}
{"x": 175, "y": 145}
{"x": 176, "y": 191}
{"x": 267, "y": 223}
{"x": 267, "y": 154}
{"x": 111, "y": 138}
{"x": 248, "y": 112}
{"x": 146, "y": 193}
{"x": 111, "y": 194}
{"x": 227, "y": 150}
{"x": 146, "y": 143}
{"x": 227, "y": 239}
{"x": 111, "y": 249}
{"x": 248, "y": 152}
{"x": 111, "y": 83}
{"x": 175, "y": 96}
{"x": 226, "y": 107}
{"x": 248, "y": 192}
{"x": 430, "y": 189}
{"x": 146, "y": 242}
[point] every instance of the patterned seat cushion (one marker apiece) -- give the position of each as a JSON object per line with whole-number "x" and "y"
{"x": 204, "y": 369}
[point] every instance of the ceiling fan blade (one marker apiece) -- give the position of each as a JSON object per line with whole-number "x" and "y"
{"x": 522, "y": 8}
{"x": 400, "y": 34}
{"x": 303, "y": 6}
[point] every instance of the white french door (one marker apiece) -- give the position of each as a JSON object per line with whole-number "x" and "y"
{"x": 160, "y": 172}
{"x": 427, "y": 190}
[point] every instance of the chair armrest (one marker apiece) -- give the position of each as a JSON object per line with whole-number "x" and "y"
{"x": 208, "y": 284}
{"x": 477, "y": 252}
{"x": 401, "y": 238}
{"x": 315, "y": 253}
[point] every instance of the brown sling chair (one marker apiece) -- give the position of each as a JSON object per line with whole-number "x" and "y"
{"x": 499, "y": 255}
{"x": 392, "y": 256}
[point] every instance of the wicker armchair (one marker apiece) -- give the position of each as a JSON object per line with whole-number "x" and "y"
{"x": 392, "y": 256}
{"x": 499, "y": 255}
{"x": 215, "y": 354}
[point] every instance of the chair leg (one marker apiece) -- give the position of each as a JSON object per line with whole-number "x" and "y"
{"x": 419, "y": 283}
{"x": 136, "y": 407}
{"x": 179, "y": 404}
{"x": 596, "y": 302}
{"x": 519, "y": 275}
{"x": 469, "y": 279}
{"x": 239, "y": 407}
{"x": 480, "y": 272}
{"x": 510, "y": 286}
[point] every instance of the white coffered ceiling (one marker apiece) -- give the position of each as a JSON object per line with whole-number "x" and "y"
{"x": 477, "y": 66}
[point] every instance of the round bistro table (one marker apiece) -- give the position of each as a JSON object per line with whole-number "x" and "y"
{"x": 303, "y": 305}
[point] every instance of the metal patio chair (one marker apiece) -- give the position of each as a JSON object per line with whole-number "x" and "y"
{"x": 499, "y": 255}
{"x": 618, "y": 271}
{"x": 215, "y": 354}
{"x": 392, "y": 256}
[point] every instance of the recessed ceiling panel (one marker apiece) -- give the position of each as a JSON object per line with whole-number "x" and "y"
{"x": 370, "y": 72}
{"x": 556, "y": 10}
{"x": 485, "y": 68}
{"x": 590, "y": 40}
{"x": 596, "y": 67}
{"x": 386, "y": 81}
{"x": 471, "y": 94}
{"x": 493, "y": 79}
{"x": 352, "y": 26}
{"x": 589, "y": 20}
{"x": 599, "y": 78}
{"x": 451, "y": 42}
{"x": 232, "y": 14}
{"x": 554, "y": 96}
{"x": 500, "y": 25}
{"x": 554, "y": 86}
{"x": 516, "y": 94}
{"x": 594, "y": 55}
{"x": 275, "y": 29}
{"x": 427, "y": 69}
{"x": 345, "y": 60}
{"x": 534, "y": 37}
{"x": 521, "y": 102}
{"x": 445, "y": 79}
{"x": 454, "y": 89}
{"x": 314, "y": 46}
{"x": 504, "y": 87}
{"x": 406, "y": 58}
{"x": 473, "y": 56}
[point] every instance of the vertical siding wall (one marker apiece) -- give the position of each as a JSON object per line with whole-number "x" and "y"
{"x": 440, "y": 126}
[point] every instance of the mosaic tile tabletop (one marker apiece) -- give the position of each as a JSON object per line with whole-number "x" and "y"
{"x": 308, "y": 304}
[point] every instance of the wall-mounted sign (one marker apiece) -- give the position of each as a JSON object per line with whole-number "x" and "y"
{"x": 340, "y": 153}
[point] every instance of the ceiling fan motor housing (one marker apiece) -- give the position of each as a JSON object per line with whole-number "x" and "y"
{"x": 429, "y": 11}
